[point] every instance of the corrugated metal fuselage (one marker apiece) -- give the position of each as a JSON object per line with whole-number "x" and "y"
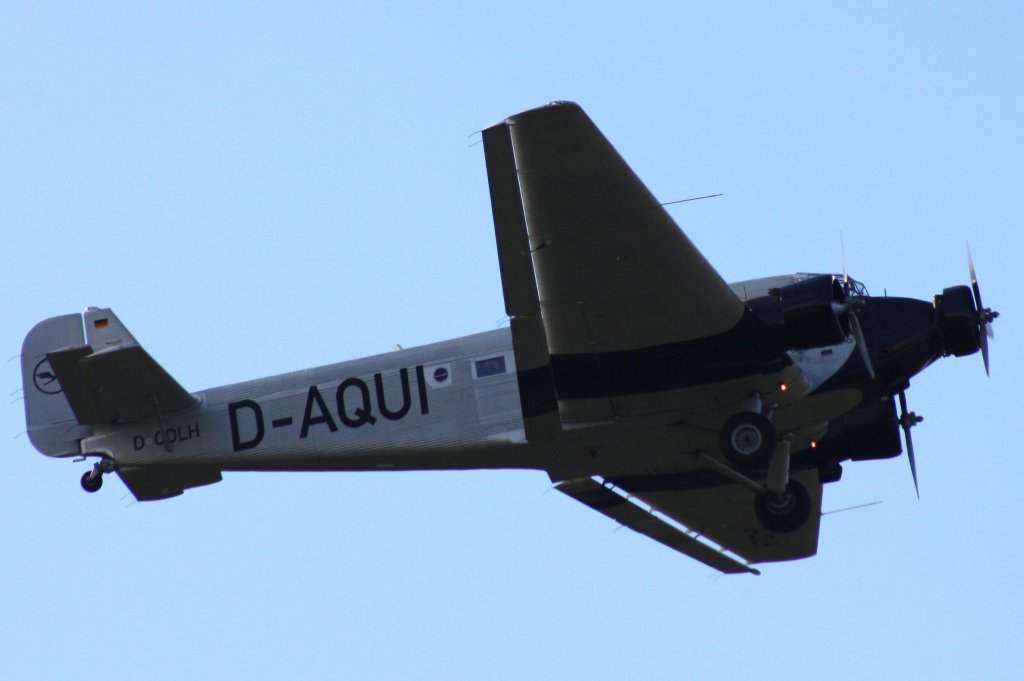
{"x": 450, "y": 405}
{"x": 453, "y": 404}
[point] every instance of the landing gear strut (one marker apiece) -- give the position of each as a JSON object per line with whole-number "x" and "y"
{"x": 749, "y": 442}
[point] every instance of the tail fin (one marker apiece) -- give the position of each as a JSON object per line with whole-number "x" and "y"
{"x": 52, "y": 426}
{"x": 76, "y": 378}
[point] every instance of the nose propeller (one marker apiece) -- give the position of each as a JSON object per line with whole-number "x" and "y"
{"x": 985, "y": 314}
{"x": 984, "y": 317}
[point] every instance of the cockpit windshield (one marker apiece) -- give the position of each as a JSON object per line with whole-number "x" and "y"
{"x": 857, "y": 288}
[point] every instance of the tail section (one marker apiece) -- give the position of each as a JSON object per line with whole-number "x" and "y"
{"x": 81, "y": 371}
{"x": 52, "y": 426}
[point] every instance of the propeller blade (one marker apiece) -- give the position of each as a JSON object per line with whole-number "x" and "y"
{"x": 974, "y": 280}
{"x": 862, "y": 345}
{"x": 913, "y": 464}
{"x": 983, "y": 344}
{"x": 846, "y": 273}
{"x": 908, "y": 421}
{"x": 985, "y": 316}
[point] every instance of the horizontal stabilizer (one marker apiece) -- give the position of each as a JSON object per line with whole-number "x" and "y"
{"x": 617, "y": 507}
{"x": 113, "y": 379}
{"x": 153, "y": 483}
{"x": 119, "y": 385}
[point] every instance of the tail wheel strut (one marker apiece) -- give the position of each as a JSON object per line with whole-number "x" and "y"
{"x": 93, "y": 480}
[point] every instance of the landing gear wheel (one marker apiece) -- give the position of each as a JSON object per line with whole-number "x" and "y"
{"x": 91, "y": 482}
{"x": 748, "y": 440}
{"x": 785, "y": 513}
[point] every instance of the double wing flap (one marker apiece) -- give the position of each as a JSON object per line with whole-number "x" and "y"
{"x": 708, "y": 507}
{"x": 617, "y": 507}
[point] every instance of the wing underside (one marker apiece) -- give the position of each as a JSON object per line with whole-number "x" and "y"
{"x": 703, "y": 516}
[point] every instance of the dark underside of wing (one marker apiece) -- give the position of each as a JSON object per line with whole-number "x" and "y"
{"x": 615, "y": 315}
{"x": 701, "y": 515}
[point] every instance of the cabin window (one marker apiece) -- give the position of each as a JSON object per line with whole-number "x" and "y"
{"x": 490, "y": 366}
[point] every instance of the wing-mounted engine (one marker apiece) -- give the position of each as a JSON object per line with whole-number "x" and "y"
{"x": 810, "y": 313}
{"x": 872, "y": 431}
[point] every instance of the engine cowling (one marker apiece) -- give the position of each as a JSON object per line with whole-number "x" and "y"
{"x": 957, "y": 317}
{"x": 810, "y": 313}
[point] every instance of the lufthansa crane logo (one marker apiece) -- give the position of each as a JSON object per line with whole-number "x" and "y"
{"x": 44, "y": 378}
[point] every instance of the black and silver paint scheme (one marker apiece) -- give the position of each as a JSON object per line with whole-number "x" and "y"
{"x": 705, "y": 415}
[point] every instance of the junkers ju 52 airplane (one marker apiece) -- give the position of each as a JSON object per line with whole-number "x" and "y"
{"x": 702, "y": 414}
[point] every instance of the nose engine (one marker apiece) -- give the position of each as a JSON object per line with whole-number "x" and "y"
{"x": 964, "y": 323}
{"x": 957, "y": 317}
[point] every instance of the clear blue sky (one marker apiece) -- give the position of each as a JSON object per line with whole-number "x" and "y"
{"x": 256, "y": 189}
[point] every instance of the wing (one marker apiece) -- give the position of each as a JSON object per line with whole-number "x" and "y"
{"x": 613, "y": 270}
{"x": 709, "y": 509}
{"x": 112, "y": 379}
{"x": 604, "y": 285}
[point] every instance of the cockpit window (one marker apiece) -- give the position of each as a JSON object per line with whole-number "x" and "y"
{"x": 857, "y": 288}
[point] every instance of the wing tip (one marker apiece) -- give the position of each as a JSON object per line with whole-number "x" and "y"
{"x": 549, "y": 108}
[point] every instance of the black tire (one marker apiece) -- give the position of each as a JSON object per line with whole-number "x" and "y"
{"x": 91, "y": 484}
{"x": 787, "y": 514}
{"x": 748, "y": 440}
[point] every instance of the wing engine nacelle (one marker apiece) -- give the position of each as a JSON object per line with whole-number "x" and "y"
{"x": 810, "y": 313}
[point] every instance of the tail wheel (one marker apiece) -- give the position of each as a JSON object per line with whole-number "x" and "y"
{"x": 787, "y": 512}
{"x": 748, "y": 440}
{"x": 92, "y": 481}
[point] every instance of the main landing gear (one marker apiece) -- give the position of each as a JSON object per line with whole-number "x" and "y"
{"x": 785, "y": 512}
{"x": 93, "y": 480}
{"x": 748, "y": 440}
{"x": 749, "y": 443}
